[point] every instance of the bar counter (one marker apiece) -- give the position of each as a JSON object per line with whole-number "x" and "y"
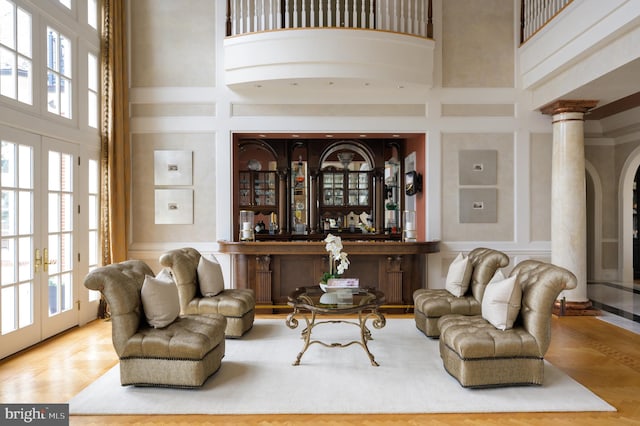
{"x": 274, "y": 269}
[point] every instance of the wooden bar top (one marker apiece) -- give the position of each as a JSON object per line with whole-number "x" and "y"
{"x": 352, "y": 247}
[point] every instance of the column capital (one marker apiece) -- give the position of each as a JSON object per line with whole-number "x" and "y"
{"x": 559, "y": 107}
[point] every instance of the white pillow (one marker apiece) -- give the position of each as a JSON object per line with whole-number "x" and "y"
{"x": 459, "y": 275}
{"x": 501, "y": 303}
{"x": 498, "y": 276}
{"x": 210, "y": 277}
{"x": 165, "y": 275}
{"x": 160, "y": 300}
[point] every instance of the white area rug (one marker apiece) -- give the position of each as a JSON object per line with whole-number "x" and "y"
{"x": 257, "y": 377}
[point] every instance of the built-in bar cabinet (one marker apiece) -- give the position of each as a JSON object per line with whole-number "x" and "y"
{"x": 300, "y": 190}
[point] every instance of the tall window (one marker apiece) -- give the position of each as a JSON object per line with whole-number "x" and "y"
{"x": 92, "y": 13}
{"x": 66, "y": 3}
{"x": 16, "y": 76}
{"x": 92, "y": 88}
{"x": 59, "y": 67}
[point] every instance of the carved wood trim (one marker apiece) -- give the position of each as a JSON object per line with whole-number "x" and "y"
{"x": 263, "y": 279}
{"x": 559, "y": 107}
{"x": 392, "y": 288}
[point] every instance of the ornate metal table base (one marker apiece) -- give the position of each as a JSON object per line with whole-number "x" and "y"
{"x": 307, "y": 308}
{"x": 378, "y": 321}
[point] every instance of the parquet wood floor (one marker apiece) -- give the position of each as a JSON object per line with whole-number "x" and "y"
{"x": 601, "y": 356}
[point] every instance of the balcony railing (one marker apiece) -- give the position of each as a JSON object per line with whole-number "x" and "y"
{"x": 534, "y": 14}
{"x": 401, "y": 16}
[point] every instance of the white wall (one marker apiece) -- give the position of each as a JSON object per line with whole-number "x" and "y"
{"x": 475, "y": 101}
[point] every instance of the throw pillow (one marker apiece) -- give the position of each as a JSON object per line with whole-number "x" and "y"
{"x": 210, "y": 277}
{"x": 160, "y": 300}
{"x": 498, "y": 276}
{"x": 501, "y": 303}
{"x": 459, "y": 275}
{"x": 165, "y": 275}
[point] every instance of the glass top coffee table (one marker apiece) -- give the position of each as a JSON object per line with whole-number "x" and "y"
{"x": 309, "y": 302}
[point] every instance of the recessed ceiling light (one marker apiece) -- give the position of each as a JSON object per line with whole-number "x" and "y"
{"x": 401, "y": 87}
{"x": 258, "y": 85}
{"x": 331, "y": 83}
{"x": 263, "y": 136}
{"x": 328, "y": 136}
{"x": 295, "y": 136}
{"x": 294, "y": 84}
{"x": 366, "y": 84}
{"x": 396, "y": 136}
{"x": 363, "y": 136}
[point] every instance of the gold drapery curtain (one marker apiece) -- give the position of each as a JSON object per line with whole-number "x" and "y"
{"x": 115, "y": 145}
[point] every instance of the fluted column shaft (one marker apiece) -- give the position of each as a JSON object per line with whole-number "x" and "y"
{"x": 568, "y": 193}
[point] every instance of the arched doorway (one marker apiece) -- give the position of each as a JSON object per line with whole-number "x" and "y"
{"x": 625, "y": 217}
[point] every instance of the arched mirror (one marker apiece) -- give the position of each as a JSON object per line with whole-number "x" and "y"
{"x": 346, "y": 196}
{"x": 347, "y": 155}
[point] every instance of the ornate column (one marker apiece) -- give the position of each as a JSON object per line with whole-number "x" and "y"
{"x": 568, "y": 200}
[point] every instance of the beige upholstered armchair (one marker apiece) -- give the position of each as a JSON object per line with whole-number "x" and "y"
{"x": 183, "y": 353}
{"x": 431, "y": 304}
{"x": 478, "y": 354}
{"x": 237, "y": 305}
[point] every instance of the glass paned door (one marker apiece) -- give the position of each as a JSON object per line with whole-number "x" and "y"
{"x": 19, "y": 325}
{"x": 38, "y": 289}
{"x": 58, "y": 253}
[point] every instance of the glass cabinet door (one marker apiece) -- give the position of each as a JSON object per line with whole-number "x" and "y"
{"x": 244, "y": 184}
{"x": 346, "y": 189}
{"x": 333, "y": 189}
{"x": 299, "y": 200}
{"x": 264, "y": 186}
{"x": 358, "y": 189}
{"x": 257, "y": 189}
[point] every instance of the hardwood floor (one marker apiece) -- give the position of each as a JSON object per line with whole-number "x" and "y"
{"x": 602, "y": 357}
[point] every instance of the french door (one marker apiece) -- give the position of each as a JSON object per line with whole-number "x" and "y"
{"x": 39, "y": 285}
{"x": 55, "y": 257}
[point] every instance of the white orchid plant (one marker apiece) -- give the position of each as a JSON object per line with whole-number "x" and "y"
{"x": 338, "y": 260}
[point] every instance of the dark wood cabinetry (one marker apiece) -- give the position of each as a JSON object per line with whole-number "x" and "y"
{"x": 312, "y": 187}
{"x": 350, "y": 190}
{"x": 274, "y": 269}
{"x": 306, "y": 189}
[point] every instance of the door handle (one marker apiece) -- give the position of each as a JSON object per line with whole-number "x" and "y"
{"x": 45, "y": 261}
{"x": 37, "y": 261}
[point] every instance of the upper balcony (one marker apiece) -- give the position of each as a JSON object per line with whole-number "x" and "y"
{"x": 367, "y": 43}
{"x": 587, "y": 49}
